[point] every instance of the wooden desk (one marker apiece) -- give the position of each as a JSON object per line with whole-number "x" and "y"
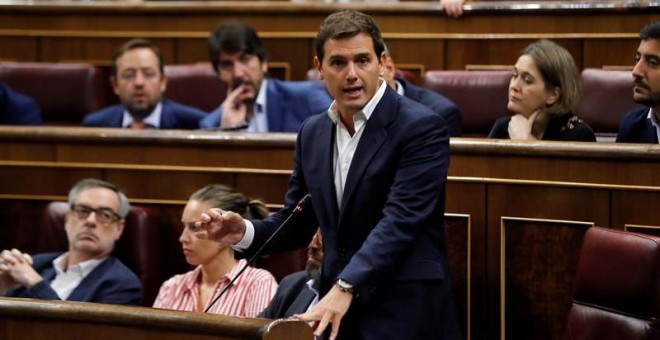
{"x": 517, "y": 211}
{"x": 45, "y": 320}
{"x": 419, "y": 35}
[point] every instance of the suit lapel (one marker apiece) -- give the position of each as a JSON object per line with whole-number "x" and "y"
{"x": 81, "y": 292}
{"x": 166, "y": 116}
{"x": 372, "y": 139}
{"x": 302, "y": 302}
{"x": 326, "y": 142}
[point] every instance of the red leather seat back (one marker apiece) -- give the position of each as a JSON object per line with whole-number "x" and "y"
{"x": 195, "y": 85}
{"x": 607, "y": 96}
{"x": 617, "y": 288}
{"x": 66, "y": 92}
{"x": 482, "y": 96}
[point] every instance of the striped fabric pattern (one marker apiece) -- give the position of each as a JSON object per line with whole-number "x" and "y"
{"x": 247, "y": 296}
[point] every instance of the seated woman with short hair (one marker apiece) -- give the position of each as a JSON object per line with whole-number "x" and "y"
{"x": 543, "y": 93}
{"x": 216, "y": 266}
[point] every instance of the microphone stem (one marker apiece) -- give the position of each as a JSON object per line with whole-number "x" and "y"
{"x": 255, "y": 255}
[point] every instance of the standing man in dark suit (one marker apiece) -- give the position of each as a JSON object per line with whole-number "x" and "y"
{"x": 138, "y": 79}
{"x": 254, "y": 101}
{"x": 86, "y": 272}
{"x": 433, "y": 100}
{"x": 17, "y": 108}
{"x": 375, "y": 165}
{"x": 298, "y": 292}
{"x": 643, "y": 125}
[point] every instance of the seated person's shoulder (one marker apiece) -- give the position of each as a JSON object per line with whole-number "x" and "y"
{"x": 100, "y": 117}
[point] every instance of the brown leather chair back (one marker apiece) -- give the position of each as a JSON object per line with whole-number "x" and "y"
{"x": 195, "y": 85}
{"x": 139, "y": 247}
{"x": 617, "y": 288}
{"x": 607, "y": 96}
{"x": 482, "y": 96}
{"x": 66, "y": 92}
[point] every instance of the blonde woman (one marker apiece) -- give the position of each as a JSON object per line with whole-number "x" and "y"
{"x": 216, "y": 266}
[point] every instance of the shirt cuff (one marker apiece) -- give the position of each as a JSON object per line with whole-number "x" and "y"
{"x": 247, "y": 239}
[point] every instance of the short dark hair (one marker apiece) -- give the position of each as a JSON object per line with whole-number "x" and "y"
{"x": 131, "y": 45}
{"x": 124, "y": 206}
{"x": 347, "y": 24}
{"x": 226, "y": 198}
{"x": 651, "y": 31}
{"x": 235, "y": 36}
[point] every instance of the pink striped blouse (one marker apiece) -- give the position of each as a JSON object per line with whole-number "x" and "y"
{"x": 247, "y": 296}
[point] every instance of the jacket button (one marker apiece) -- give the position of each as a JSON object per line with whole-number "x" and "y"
{"x": 341, "y": 252}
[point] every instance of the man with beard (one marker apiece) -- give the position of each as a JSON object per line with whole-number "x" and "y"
{"x": 139, "y": 81}
{"x": 86, "y": 272}
{"x": 643, "y": 125}
{"x": 298, "y": 292}
{"x": 255, "y": 102}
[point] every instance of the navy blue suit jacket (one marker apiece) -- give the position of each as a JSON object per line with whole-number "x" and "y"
{"x": 288, "y": 104}
{"x": 292, "y": 297}
{"x": 18, "y": 109}
{"x": 173, "y": 116}
{"x": 636, "y": 128}
{"x": 110, "y": 282}
{"x": 436, "y": 102}
{"x": 387, "y": 237}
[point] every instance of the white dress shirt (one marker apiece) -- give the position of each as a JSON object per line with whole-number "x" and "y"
{"x": 66, "y": 281}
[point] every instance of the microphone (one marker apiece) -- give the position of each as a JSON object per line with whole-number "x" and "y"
{"x": 302, "y": 204}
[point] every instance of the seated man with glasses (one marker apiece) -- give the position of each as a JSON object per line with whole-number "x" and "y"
{"x": 86, "y": 272}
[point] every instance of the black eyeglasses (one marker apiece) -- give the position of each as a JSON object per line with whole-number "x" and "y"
{"x": 103, "y": 215}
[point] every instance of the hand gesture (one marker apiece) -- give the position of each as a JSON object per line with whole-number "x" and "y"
{"x": 16, "y": 270}
{"x": 331, "y": 309}
{"x": 237, "y": 107}
{"x": 220, "y": 226}
{"x": 520, "y": 127}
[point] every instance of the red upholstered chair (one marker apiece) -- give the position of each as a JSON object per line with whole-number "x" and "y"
{"x": 617, "y": 288}
{"x": 139, "y": 248}
{"x": 481, "y": 96}
{"x": 66, "y": 92}
{"x": 283, "y": 264}
{"x": 196, "y": 85}
{"x": 607, "y": 96}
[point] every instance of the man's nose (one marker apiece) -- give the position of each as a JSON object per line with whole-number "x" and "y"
{"x": 638, "y": 70}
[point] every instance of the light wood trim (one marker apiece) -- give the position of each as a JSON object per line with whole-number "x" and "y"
{"x": 141, "y": 318}
{"x": 475, "y": 67}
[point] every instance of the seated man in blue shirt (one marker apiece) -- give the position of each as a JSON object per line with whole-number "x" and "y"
{"x": 254, "y": 102}
{"x": 139, "y": 81}
{"x": 86, "y": 272}
{"x": 17, "y": 108}
{"x": 643, "y": 125}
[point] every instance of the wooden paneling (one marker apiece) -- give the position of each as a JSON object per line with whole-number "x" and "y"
{"x": 611, "y": 185}
{"x": 457, "y": 231}
{"x": 539, "y": 262}
{"x": 39, "y": 320}
{"x": 489, "y": 33}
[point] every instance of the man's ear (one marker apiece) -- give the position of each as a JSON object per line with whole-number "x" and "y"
{"x": 120, "y": 228}
{"x": 113, "y": 83}
{"x": 264, "y": 66}
{"x": 317, "y": 65}
{"x": 386, "y": 65}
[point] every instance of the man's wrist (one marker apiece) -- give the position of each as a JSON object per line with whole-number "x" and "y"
{"x": 344, "y": 286}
